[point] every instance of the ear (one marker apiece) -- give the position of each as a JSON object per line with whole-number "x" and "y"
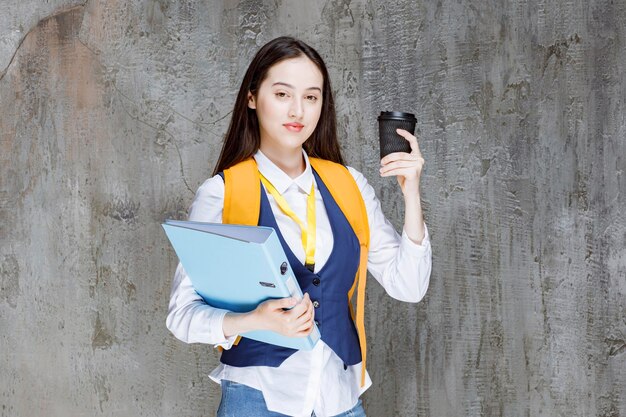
{"x": 251, "y": 101}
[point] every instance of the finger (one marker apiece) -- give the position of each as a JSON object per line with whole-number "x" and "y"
{"x": 281, "y": 303}
{"x": 411, "y": 138}
{"x": 413, "y": 163}
{"x": 298, "y": 310}
{"x": 408, "y": 166}
{"x": 305, "y": 323}
{"x": 407, "y": 135}
{"x": 302, "y": 310}
{"x": 304, "y": 330}
{"x": 303, "y": 333}
{"x": 398, "y": 156}
{"x": 305, "y": 302}
{"x": 307, "y": 316}
{"x": 404, "y": 172}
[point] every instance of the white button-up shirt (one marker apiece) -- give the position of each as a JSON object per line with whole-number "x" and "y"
{"x": 312, "y": 380}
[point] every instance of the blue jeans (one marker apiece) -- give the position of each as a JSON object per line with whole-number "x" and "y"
{"x": 240, "y": 400}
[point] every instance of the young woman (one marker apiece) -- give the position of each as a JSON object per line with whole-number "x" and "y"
{"x": 283, "y": 134}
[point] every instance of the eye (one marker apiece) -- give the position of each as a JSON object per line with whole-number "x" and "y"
{"x": 312, "y": 98}
{"x": 281, "y": 94}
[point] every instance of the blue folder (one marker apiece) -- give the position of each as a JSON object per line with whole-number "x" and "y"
{"x": 237, "y": 267}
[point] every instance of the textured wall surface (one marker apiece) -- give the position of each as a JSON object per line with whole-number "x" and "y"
{"x": 112, "y": 114}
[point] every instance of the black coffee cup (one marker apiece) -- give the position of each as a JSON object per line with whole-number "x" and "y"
{"x": 390, "y": 140}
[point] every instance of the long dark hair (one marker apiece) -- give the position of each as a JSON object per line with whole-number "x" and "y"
{"x": 243, "y": 137}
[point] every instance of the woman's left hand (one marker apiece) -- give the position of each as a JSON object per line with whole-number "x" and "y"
{"x": 407, "y": 167}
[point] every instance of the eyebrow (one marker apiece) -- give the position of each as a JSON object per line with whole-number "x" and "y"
{"x": 293, "y": 88}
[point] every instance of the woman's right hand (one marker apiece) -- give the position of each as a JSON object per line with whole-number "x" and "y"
{"x": 272, "y": 315}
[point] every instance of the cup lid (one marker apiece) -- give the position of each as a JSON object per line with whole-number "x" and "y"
{"x": 397, "y": 115}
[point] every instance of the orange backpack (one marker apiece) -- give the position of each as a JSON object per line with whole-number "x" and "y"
{"x": 242, "y": 194}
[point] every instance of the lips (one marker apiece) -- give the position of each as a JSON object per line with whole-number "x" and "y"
{"x": 293, "y": 127}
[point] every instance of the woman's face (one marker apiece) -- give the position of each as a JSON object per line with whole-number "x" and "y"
{"x": 288, "y": 104}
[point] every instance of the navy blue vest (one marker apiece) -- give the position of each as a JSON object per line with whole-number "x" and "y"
{"x": 329, "y": 287}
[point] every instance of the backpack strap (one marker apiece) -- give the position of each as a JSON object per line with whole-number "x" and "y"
{"x": 346, "y": 193}
{"x": 242, "y": 186}
{"x": 242, "y": 194}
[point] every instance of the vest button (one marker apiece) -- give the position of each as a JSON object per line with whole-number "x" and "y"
{"x": 316, "y": 304}
{"x": 316, "y": 281}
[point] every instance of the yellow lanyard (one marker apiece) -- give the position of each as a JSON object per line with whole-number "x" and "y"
{"x": 308, "y": 232}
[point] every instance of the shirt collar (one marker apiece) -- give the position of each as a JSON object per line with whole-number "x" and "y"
{"x": 279, "y": 179}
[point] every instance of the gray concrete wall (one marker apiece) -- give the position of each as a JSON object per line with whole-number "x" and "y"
{"x": 112, "y": 113}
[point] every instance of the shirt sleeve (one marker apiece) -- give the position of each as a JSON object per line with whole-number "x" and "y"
{"x": 189, "y": 317}
{"x": 400, "y": 265}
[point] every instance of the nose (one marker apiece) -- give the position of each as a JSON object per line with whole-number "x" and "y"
{"x": 297, "y": 108}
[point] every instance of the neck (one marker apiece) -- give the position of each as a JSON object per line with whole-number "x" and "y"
{"x": 291, "y": 161}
